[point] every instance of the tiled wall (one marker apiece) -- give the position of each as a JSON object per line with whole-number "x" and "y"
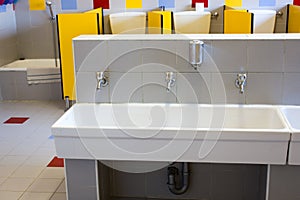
{"x": 8, "y": 39}
{"x": 35, "y": 39}
{"x": 14, "y": 86}
{"x": 35, "y": 33}
{"x": 273, "y": 69}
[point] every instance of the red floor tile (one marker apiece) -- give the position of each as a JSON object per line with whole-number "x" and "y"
{"x": 16, "y": 120}
{"x": 56, "y": 162}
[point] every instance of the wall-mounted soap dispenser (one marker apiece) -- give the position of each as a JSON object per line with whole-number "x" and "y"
{"x": 196, "y": 53}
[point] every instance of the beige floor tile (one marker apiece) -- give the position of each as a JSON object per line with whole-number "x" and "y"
{"x": 16, "y": 184}
{"x": 12, "y": 160}
{"x": 45, "y": 185}
{"x": 28, "y": 171}
{"x": 38, "y": 160}
{"x": 6, "y": 171}
{"x": 6, "y": 195}
{"x": 36, "y": 196}
{"x": 59, "y": 196}
{"x": 53, "y": 172}
{"x": 62, "y": 187}
{"x": 2, "y": 180}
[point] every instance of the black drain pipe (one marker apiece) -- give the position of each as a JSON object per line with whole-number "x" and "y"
{"x": 172, "y": 172}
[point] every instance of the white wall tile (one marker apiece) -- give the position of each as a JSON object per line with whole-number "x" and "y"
{"x": 183, "y": 5}
{"x": 264, "y": 88}
{"x": 161, "y": 52}
{"x": 167, "y": 45}
{"x": 118, "y": 48}
{"x": 90, "y": 56}
{"x": 129, "y": 62}
{"x": 86, "y": 91}
{"x": 231, "y": 94}
{"x": 265, "y": 56}
{"x": 118, "y": 4}
{"x": 38, "y": 18}
{"x": 85, "y": 5}
{"x": 291, "y": 88}
{"x": 157, "y": 67}
{"x": 193, "y": 87}
{"x": 154, "y": 88}
{"x": 292, "y": 58}
{"x": 230, "y": 56}
{"x": 251, "y": 4}
{"x": 125, "y": 87}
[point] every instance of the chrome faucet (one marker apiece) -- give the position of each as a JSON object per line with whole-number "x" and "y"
{"x": 101, "y": 80}
{"x": 170, "y": 78}
{"x": 240, "y": 82}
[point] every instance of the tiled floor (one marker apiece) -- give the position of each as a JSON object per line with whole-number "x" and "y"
{"x": 25, "y": 151}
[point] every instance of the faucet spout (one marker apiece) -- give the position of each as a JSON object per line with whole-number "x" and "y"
{"x": 101, "y": 80}
{"x": 240, "y": 82}
{"x": 170, "y": 78}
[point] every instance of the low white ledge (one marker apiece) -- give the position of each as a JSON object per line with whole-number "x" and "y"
{"x": 275, "y": 36}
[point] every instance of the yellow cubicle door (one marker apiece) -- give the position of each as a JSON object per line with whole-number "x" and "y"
{"x": 294, "y": 19}
{"x": 100, "y": 18}
{"x": 160, "y": 22}
{"x": 237, "y": 21}
{"x": 70, "y": 26}
{"x": 155, "y": 23}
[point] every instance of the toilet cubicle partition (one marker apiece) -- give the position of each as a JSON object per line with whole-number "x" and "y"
{"x": 99, "y": 11}
{"x": 69, "y": 26}
{"x": 238, "y": 22}
{"x": 160, "y": 22}
{"x": 293, "y": 20}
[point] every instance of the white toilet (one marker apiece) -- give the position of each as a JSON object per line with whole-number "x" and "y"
{"x": 128, "y": 23}
{"x": 263, "y": 21}
{"x": 192, "y": 22}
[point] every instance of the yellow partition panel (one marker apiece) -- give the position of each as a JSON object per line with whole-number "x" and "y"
{"x": 294, "y": 19}
{"x": 70, "y": 26}
{"x": 100, "y": 18}
{"x": 237, "y": 21}
{"x": 167, "y": 21}
{"x": 155, "y": 23}
{"x": 161, "y": 19}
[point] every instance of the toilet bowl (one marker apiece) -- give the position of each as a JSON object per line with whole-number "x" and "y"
{"x": 192, "y": 22}
{"x": 263, "y": 21}
{"x": 128, "y": 23}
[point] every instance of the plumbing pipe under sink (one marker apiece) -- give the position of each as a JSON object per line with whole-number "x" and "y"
{"x": 172, "y": 172}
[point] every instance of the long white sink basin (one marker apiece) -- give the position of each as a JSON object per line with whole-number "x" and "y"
{"x": 292, "y": 116}
{"x": 173, "y": 132}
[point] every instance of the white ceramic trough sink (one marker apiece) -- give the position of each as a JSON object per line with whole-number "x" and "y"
{"x": 173, "y": 132}
{"x": 292, "y": 116}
